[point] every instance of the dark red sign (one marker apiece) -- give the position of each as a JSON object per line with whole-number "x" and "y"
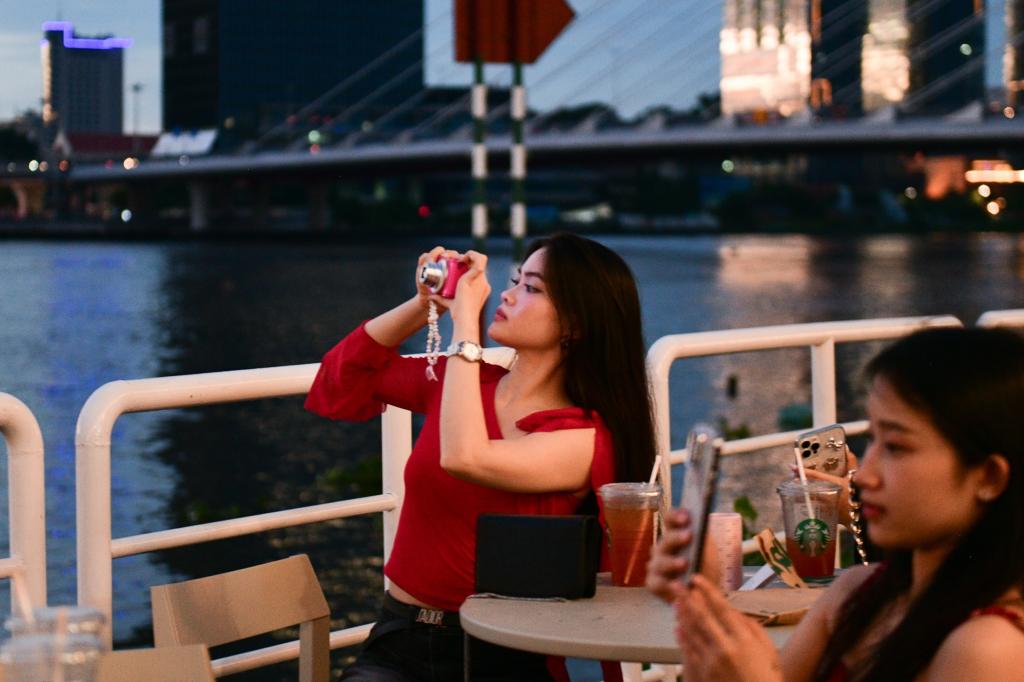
{"x": 505, "y": 31}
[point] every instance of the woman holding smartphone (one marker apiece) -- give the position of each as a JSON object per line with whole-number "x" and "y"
{"x": 942, "y": 489}
{"x": 572, "y": 413}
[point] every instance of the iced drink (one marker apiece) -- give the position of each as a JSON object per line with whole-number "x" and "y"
{"x": 810, "y": 531}
{"x": 630, "y": 510}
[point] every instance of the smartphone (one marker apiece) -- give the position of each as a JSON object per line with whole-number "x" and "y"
{"x": 699, "y": 483}
{"x": 823, "y": 449}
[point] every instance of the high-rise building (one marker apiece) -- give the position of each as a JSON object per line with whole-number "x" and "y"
{"x": 83, "y": 80}
{"x": 844, "y": 57}
{"x": 247, "y": 64}
{"x": 885, "y": 61}
{"x": 924, "y": 57}
{"x": 1013, "y": 52}
{"x": 766, "y": 57}
{"x": 947, "y": 55}
{"x": 837, "y": 31}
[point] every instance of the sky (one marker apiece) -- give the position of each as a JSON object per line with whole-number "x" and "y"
{"x": 632, "y": 54}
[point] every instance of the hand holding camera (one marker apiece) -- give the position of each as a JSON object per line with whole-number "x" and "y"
{"x": 440, "y": 276}
{"x": 437, "y": 273}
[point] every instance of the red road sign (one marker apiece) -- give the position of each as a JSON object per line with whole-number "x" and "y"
{"x": 505, "y": 31}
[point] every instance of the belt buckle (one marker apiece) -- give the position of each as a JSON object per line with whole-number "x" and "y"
{"x": 430, "y": 616}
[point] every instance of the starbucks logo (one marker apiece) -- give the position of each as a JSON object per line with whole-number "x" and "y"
{"x": 812, "y": 536}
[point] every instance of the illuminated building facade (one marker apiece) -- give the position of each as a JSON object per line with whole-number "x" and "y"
{"x": 923, "y": 56}
{"x": 844, "y": 57}
{"x": 885, "y": 65}
{"x": 1013, "y": 53}
{"x": 245, "y": 64}
{"x": 83, "y": 80}
{"x": 766, "y": 57}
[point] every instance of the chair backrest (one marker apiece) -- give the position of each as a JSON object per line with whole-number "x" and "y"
{"x": 166, "y": 664}
{"x": 252, "y": 601}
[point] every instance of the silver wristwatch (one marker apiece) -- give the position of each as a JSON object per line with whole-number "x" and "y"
{"x": 467, "y": 350}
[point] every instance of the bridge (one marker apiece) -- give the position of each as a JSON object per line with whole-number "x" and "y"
{"x": 559, "y": 149}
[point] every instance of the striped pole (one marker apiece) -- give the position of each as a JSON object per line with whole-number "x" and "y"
{"x": 479, "y": 111}
{"x": 518, "y": 160}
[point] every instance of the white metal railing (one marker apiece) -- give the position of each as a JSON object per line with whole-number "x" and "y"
{"x": 26, "y": 495}
{"x": 1002, "y": 318}
{"x": 96, "y": 547}
{"x": 820, "y": 337}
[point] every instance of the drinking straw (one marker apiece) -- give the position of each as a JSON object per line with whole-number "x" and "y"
{"x": 634, "y": 556}
{"x": 803, "y": 479}
{"x": 59, "y": 643}
{"x": 655, "y": 470}
{"x": 21, "y": 598}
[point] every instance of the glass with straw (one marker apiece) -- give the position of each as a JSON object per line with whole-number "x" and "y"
{"x": 809, "y": 514}
{"x": 53, "y": 644}
{"x": 631, "y": 513}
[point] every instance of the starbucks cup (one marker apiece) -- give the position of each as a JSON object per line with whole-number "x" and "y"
{"x": 809, "y": 514}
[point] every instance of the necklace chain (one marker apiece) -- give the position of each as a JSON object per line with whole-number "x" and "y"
{"x": 855, "y": 523}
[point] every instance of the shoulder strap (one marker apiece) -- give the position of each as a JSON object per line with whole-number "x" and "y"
{"x": 1014, "y": 615}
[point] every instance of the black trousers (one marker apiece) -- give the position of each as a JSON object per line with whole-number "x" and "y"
{"x": 401, "y": 649}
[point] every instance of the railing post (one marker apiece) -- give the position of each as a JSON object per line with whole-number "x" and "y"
{"x": 92, "y": 502}
{"x": 26, "y": 495}
{"x": 659, "y": 363}
{"x": 396, "y": 445}
{"x": 823, "y": 382}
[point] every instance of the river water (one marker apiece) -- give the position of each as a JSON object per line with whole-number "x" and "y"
{"x": 75, "y": 315}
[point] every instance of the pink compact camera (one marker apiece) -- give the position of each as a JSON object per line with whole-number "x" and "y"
{"x": 442, "y": 276}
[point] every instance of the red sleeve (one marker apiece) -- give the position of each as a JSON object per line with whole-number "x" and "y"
{"x": 602, "y": 467}
{"x": 359, "y": 376}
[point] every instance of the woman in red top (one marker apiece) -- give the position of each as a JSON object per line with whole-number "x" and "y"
{"x": 572, "y": 413}
{"x": 942, "y": 489}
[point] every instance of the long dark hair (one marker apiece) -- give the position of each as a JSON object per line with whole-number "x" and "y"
{"x": 595, "y": 295}
{"x": 970, "y": 383}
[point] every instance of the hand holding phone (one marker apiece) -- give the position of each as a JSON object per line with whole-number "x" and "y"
{"x": 699, "y": 484}
{"x": 823, "y": 449}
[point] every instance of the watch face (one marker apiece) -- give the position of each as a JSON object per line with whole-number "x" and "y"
{"x": 470, "y": 351}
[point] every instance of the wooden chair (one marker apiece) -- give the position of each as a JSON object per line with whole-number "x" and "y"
{"x": 166, "y": 664}
{"x": 252, "y": 601}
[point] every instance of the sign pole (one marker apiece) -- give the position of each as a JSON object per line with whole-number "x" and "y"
{"x": 479, "y": 110}
{"x": 512, "y": 32}
{"x": 518, "y": 161}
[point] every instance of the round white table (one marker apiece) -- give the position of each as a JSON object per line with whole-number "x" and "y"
{"x": 618, "y": 624}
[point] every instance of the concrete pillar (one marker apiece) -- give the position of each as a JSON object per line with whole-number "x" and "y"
{"x": 199, "y": 205}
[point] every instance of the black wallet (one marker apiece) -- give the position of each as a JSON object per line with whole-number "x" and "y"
{"x": 537, "y": 556}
